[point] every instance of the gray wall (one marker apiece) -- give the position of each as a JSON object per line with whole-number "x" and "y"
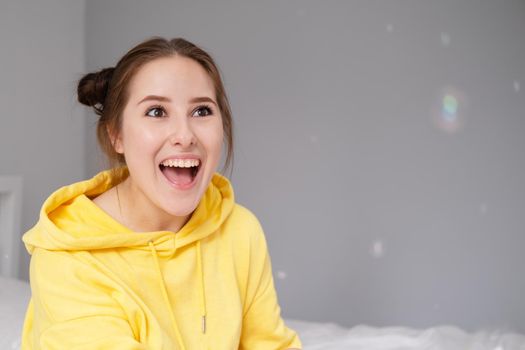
{"x": 42, "y": 126}
{"x": 379, "y": 207}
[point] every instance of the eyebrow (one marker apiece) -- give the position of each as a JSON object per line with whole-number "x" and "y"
{"x": 166, "y": 99}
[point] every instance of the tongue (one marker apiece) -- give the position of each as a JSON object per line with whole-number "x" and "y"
{"x": 179, "y": 176}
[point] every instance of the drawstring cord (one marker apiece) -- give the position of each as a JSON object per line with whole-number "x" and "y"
{"x": 203, "y": 297}
{"x": 165, "y": 294}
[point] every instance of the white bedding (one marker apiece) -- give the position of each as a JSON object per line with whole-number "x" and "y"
{"x": 330, "y": 336}
{"x": 14, "y": 296}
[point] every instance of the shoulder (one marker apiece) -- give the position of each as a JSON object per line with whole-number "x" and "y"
{"x": 243, "y": 215}
{"x": 55, "y": 264}
{"x": 244, "y": 228}
{"x": 59, "y": 275}
{"x": 65, "y": 265}
{"x": 244, "y": 220}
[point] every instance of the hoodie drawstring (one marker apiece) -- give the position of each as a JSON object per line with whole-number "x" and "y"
{"x": 165, "y": 294}
{"x": 166, "y": 297}
{"x": 203, "y": 295}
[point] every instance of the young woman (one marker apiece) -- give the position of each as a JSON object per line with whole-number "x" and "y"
{"x": 154, "y": 253}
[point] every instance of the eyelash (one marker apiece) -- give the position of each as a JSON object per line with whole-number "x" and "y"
{"x": 210, "y": 110}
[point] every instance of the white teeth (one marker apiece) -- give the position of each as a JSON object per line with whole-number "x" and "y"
{"x": 181, "y": 163}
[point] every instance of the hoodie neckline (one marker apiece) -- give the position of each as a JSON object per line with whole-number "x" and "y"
{"x": 68, "y": 218}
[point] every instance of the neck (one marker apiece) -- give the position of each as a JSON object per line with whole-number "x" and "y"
{"x": 139, "y": 214}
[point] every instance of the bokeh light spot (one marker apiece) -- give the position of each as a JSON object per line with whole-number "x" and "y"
{"x": 450, "y": 107}
{"x": 450, "y": 110}
{"x": 378, "y": 249}
{"x": 281, "y": 275}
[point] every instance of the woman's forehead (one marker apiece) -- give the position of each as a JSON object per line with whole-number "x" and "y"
{"x": 175, "y": 77}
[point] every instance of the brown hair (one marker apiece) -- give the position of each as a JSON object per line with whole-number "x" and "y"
{"x": 106, "y": 90}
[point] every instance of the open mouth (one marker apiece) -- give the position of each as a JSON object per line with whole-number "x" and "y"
{"x": 180, "y": 172}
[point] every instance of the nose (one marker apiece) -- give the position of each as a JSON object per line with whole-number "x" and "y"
{"x": 181, "y": 133}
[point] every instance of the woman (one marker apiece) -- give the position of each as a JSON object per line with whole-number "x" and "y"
{"x": 155, "y": 253}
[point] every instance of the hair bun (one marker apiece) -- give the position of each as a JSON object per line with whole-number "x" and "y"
{"x": 93, "y": 87}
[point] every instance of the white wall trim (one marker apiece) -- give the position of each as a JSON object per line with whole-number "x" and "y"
{"x": 10, "y": 219}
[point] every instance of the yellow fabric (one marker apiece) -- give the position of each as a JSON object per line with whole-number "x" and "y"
{"x": 98, "y": 285}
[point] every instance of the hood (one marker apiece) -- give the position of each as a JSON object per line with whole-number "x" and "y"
{"x": 70, "y": 221}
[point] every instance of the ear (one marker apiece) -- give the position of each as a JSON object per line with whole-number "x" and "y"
{"x": 116, "y": 140}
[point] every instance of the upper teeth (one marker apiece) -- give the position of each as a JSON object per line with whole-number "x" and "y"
{"x": 181, "y": 163}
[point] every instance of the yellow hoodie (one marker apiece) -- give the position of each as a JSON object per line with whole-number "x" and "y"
{"x": 98, "y": 285}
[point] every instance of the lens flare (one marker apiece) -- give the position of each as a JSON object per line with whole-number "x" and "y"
{"x": 450, "y": 107}
{"x": 450, "y": 111}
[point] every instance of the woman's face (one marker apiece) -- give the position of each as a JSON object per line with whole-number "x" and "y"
{"x": 171, "y": 134}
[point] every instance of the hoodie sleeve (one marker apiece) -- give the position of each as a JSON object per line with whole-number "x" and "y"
{"x": 263, "y": 327}
{"x": 73, "y": 307}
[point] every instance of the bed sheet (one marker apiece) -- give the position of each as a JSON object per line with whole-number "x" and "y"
{"x": 330, "y": 336}
{"x": 14, "y": 296}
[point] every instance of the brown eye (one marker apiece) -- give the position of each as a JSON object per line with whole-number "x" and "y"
{"x": 203, "y": 111}
{"x": 156, "y": 112}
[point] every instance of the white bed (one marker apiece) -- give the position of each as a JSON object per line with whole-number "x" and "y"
{"x": 15, "y": 294}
